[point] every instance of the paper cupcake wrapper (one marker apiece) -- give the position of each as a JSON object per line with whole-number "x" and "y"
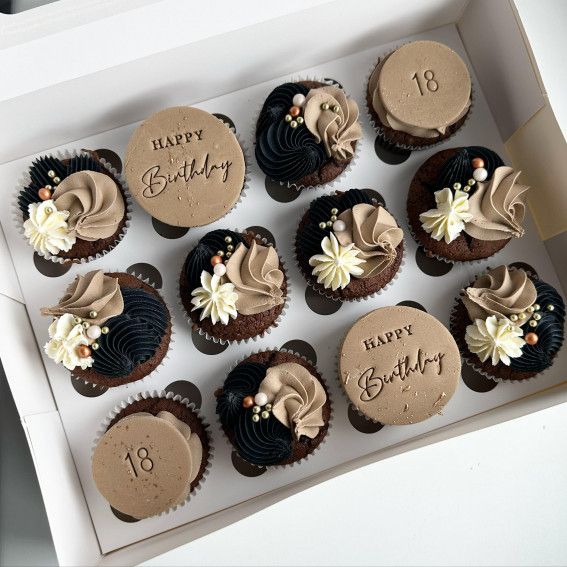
{"x": 266, "y": 331}
{"x": 156, "y": 370}
{"x": 63, "y": 155}
{"x": 328, "y": 293}
{"x": 176, "y": 398}
{"x": 329, "y": 397}
{"x": 337, "y": 180}
{"x": 380, "y": 131}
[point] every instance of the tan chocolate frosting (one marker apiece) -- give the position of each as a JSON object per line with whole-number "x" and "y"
{"x": 498, "y": 207}
{"x": 374, "y": 232}
{"x": 95, "y": 204}
{"x": 338, "y": 130}
{"x": 92, "y": 292}
{"x": 257, "y": 278}
{"x": 500, "y": 292}
{"x": 296, "y": 396}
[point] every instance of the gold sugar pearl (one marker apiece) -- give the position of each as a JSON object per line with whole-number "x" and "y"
{"x": 265, "y": 414}
{"x": 537, "y": 316}
{"x": 336, "y": 109}
{"x": 228, "y": 254}
{"x": 268, "y": 407}
{"x": 456, "y": 186}
{"x": 537, "y": 306}
{"x": 322, "y": 225}
{"x": 325, "y": 106}
{"x": 530, "y": 309}
{"x": 230, "y": 247}
{"x": 329, "y": 224}
{"x": 93, "y": 314}
{"x": 513, "y": 317}
{"x": 471, "y": 182}
{"x": 220, "y": 253}
{"x": 293, "y": 124}
{"x": 228, "y": 239}
{"x": 104, "y": 330}
{"x": 255, "y": 418}
{"x": 334, "y": 211}
{"x": 550, "y": 307}
{"x": 256, "y": 409}
{"x": 56, "y": 180}
{"x": 299, "y": 120}
{"x": 334, "y": 218}
{"x": 533, "y": 323}
{"x": 86, "y": 324}
{"x": 521, "y": 316}
{"x": 77, "y": 320}
{"x": 288, "y": 118}
{"x": 51, "y": 173}
{"x": 95, "y": 346}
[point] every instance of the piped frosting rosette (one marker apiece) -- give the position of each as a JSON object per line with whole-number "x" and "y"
{"x": 508, "y": 324}
{"x": 347, "y": 246}
{"x": 306, "y": 133}
{"x": 274, "y": 408}
{"x": 233, "y": 286}
{"x": 72, "y": 208}
{"x": 108, "y": 329}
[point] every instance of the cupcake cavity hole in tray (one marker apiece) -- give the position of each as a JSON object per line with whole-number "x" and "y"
{"x": 156, "y": 251}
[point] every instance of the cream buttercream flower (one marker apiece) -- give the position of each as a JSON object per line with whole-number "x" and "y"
{"x": 449, "y": 218}
{"x": 217, "y": 300}
{"x": 46, "y": 228}
{"x": 334, "y": 267}
{"x": 66, "y": 338}
{"x": 495, "y": 338}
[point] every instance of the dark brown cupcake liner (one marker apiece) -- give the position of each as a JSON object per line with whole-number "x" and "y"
{"x": 64, "y": 155}
{"x": 329, "y": 398}
{"x": 263, "y": 333}
{"x": 112, "y": 414}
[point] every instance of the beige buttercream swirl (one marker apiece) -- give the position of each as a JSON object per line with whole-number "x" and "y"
{"x": 498, "y": 207}
{"x": 257, "y": 278}
{"x": 388, "y": 120}
{"x": 500, "y": 292}
{"x": 339, "y": 130}
{"x": 296, "y": 396}
{"x": 92, "y": 292}
{"x": 95, "y": 204}
{"x": 374, "y": 231}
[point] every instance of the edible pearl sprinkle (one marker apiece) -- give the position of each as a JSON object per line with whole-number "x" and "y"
{"x": 299, "y": 119}
{"x": 288, "y": 118}
{"x": 219, "y": 270}
{"x": 293, "y": 124}
{"x": 537, "y": 316}
{"x": 93, "y": 314}
{"x": 255, "y": 417}
{"x": 533, "y": 323}
{"x": 550, "y": 307}
{"x": 322, "y": 225}
{"x": 480, "y": 174}
{"x": 324, "y": 106}
{"x": 513, "y": 317}
{"x": 256, "y": 409}
{"x": 456, "y": 186}
{"x": 94, "y": 332}
{"x": 265, "y": 414}
{"x": 51, "y": 173}
{"x": 94, "y": 346}
{"x": 298, "y": 100}
{"x": 104, "y": 330}
{"x": 261, "y": 399}
{"x": 228, "y": 239}
{"x": 339, "y": 226}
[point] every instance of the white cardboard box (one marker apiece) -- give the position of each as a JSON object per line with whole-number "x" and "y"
{"x": 184, "y": 63}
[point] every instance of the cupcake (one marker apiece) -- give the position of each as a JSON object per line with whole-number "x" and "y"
{"x": 185, "y": 167}
{"x": 464, "y": 204}
{"x": 399, "y": 365}
{"x": 153, "y": 454}
{"x": 72, "y": 209}
{"x": 419, "y": 94}
{"x": 347, "y": 246}
{"x": 306, "y": 133}
{"x": 274, "y": 408}
{"x": 509, "y": 324}
{"x": 233, "y": 286}
{"x": 109, "y": 329}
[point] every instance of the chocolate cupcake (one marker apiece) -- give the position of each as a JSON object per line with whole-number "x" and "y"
{"x": 185, "y": 167}
{"x": 399, "y": 365}
{"x": 72, "y": 209}
{"x": 464, "y": 204}
{"x": 153, "y": 454}
{"x": 306, "y": 133}
{"x": 233, "y": 286}
{"x": 509, "y": 324}
{"x": 419, "y": 94}
{"x": 274, "y": 408}
{"x": 109, "y": 329}
{"x": 348, "y": 246}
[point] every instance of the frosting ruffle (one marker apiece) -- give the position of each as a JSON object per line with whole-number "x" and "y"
{"x": 94, "y": 291}
{"x": 256, "y": 277}
{"x": 497, "y": 207}
{"x": 336, "y": 125}
{"x": 95, "y": 204}
{"x": 297, "y": 398}
{"x": 375, "y": 233}
{"x": 501, "y": 292}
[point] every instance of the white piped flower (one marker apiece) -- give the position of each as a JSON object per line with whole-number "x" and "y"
{"x": 217, "y": 300}
{"x": 495, "y": 338}
{"x": 449, "y": 218}
{"x": 66, "y": 338}
{"x": 334, "y": 268}
{"x": 46, "y": 228}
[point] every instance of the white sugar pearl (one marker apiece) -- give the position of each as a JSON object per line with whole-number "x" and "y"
{"x": 219, "y": 269}
{"x": 298, "y": 100}
{"x": 94, "y": 332}
{"x": 480, "y": 174}
{"x": 339, "y": 226}
{"x": 260, "y": 399}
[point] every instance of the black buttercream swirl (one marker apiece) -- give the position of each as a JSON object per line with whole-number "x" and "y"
{"x": 199, "y": 258}
{"x": 38, "y": 173}
{"x": 549, "y": 330}
{"x": 263, "y": 443}
{"x": 278, "y": 103}
{"x": 244, "y": 380}
{"x": 458, "y": 168}
{"x": 310, "y": 235}
{"x": 288, "y": 154}
{"x": 133, "y": 336}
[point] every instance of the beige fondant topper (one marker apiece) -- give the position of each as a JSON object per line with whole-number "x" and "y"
{"x": 399, "y": 365}
{"x": 185, "y": 167}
